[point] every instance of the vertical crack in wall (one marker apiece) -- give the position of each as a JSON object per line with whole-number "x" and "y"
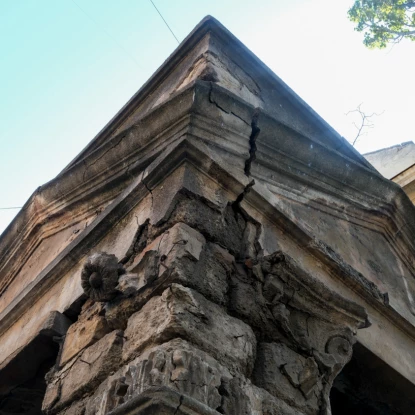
{"x": 252, "y": 142}
{"x": 138, "y": 243}
{"x": 180, "y": 404}
{"x": 255, "y": 130}
{"x": 212, "y": 100}
{"x": 236, "y": 205}
{"x": 151, "y": 193}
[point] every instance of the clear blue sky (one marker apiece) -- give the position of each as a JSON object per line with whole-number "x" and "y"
{"x": 67, "y": 66}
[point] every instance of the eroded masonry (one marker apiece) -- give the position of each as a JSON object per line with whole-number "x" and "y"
{"x": 216, "y": 249}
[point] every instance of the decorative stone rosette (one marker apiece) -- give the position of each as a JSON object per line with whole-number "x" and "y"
{"x": 99, "y": 277}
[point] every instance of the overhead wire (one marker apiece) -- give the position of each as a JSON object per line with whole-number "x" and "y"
{"x": 164, "y": 20}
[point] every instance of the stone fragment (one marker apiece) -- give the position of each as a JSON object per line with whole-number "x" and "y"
{"x": 307, "y": 377}
{"x": 175, "y": 251}
{"x": 249, "y": 241}
{"x": 176, "y": 364}
{"x": 182, "y": 312}
{"x": 177, "y": 242}
{"x": 211, "y": 273}
{"x": 56, "y": 324}
{"x": 180, "y": 255}
{"x": 77, "y": 408}
{"x": 186, "y": 207}
{"x": 129, "y": 284}
{"x": 273, "y": 289}
{"x": 84, "y": 373}
{"x": 288, "y": 375}
{"x": 52, "y": 395}
{"x": 246, "y": 301}
{"x": 234, "y": 399}
{"x": 272, "y": 406}
{"x": 143, "y": 273}
{"x": 82, "y": 334}
{"x": 161, "y": 401}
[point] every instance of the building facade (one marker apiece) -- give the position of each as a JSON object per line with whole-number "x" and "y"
{"x": 397, "y": 163}
{"x": 217, "y": 249}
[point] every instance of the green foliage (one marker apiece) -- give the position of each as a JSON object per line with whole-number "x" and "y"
{"x": 384, "y": 21}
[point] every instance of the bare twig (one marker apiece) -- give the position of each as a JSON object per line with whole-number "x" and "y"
{"x": 366, "y": 122}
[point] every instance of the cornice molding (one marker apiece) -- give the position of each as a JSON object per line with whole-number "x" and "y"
{"x": 202, "y": 111}
{"x": 221, "y": 41}
{"x": 259, "y": 198}
{"x": 90, "y": 185}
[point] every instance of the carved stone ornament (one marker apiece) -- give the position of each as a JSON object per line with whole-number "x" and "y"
{"x": 316, "y": 335}
{"x": 99, "y": 276}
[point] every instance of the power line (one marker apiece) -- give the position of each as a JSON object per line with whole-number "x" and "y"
{"x": 103, "y": 29}
{"x": 12, "y": 207}
{"x": 165, "y": 21}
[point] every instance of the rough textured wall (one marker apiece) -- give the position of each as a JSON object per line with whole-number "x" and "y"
{"x": 201, "y": 321}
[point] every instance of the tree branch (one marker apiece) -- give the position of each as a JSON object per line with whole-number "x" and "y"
{"x": 365, "y": 122}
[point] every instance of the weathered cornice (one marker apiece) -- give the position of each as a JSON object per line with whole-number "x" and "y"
{"x": 213, "y": 115}
{"x": 212, "y": 38}
{"x": 259, "y": 198}
{"x": 362, "y": 194}
{"x": 90, "y": 185}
